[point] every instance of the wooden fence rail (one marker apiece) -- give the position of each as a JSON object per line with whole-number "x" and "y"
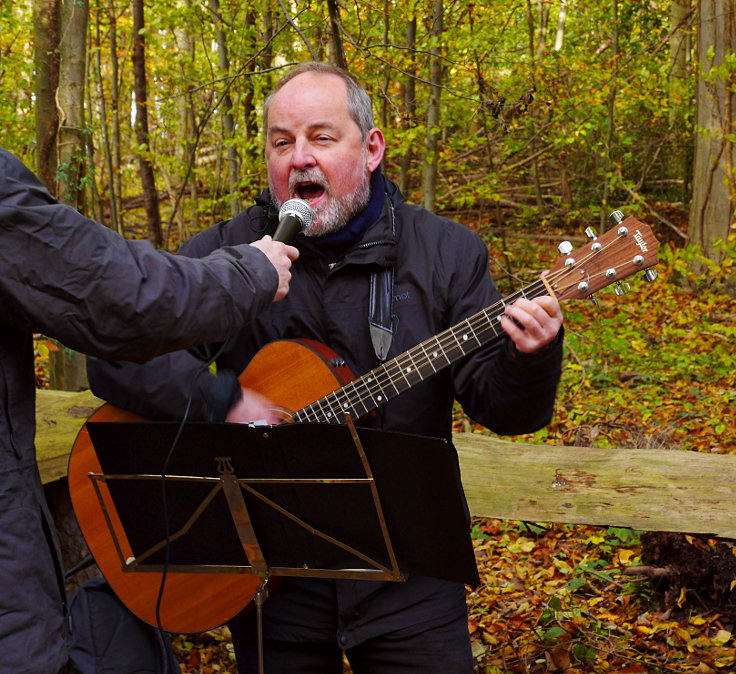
{"x": 651, "y": 490}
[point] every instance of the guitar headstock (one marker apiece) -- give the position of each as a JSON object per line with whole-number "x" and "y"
{"x": 628, "y": 247}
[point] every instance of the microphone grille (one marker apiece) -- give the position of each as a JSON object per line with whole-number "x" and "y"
{"x": 298, "y": 207}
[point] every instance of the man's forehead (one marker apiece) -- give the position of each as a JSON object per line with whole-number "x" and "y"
{"x": 310, "y": 100}
{"x": 311, "y": 87}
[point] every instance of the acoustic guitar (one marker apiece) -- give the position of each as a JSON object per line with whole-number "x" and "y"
{"x": 324, "y": 391}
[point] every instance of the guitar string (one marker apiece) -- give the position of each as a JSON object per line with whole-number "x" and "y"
{"x": 370, "y": 390}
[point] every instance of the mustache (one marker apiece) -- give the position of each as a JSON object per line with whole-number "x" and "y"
{"x": 310, "y": 175}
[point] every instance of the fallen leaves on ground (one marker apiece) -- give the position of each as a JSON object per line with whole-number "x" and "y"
{"x": 554, "y": 599}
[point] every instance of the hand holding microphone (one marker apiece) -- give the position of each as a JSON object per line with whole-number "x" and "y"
{"x": 294, "y": 216}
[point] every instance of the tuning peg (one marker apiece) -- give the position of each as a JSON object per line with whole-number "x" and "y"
{"x": 650, "y": 275}
{"x": 590, "y": 233}
{"x": 593, "y": 299}
{"x": 616, "y": 217}
{"x": 565, "y": 247}
{"x": 621, "y": 288}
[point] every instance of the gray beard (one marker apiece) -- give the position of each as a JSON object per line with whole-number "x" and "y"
{"x": 333, "y": 214}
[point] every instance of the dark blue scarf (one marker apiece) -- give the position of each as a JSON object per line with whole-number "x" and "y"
{"x": 333, "y": 245}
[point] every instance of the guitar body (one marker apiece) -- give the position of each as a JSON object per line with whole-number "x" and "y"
{"x": 294, "y": 373}
{"x": 287, "y": 372}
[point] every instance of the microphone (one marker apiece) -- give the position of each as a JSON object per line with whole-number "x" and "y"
{"x": 294, "y": 216}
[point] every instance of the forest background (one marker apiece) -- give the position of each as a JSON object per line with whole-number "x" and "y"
{"x": 527, "y": 121}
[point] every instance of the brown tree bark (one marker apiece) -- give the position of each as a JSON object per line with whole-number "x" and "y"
{"x": 145, "y": 167}
{"x": 714, "y": 182}
{"x": 429, "y": 178}
{"x": 338, "y": 53}
{"x": 70, "y": 100}
{"x": 408, "y": 101}
{"x": 46, "y": 17}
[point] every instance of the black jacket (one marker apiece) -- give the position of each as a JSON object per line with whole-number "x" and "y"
{"x": 75, "y": 280}
{"x": 441, "y": 277}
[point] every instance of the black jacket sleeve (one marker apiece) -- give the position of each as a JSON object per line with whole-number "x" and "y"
{"x": 75, "y": 280}
{"x": 173, "y": 384}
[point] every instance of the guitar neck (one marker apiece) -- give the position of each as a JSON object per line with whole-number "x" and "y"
{"x": 373, "y": 389}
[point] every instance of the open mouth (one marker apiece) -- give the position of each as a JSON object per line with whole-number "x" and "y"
{"x": 309, "y": 191}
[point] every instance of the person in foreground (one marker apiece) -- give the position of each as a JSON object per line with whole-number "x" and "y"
{"x": 321, "y": 146}
{"x": 75, "y": 280}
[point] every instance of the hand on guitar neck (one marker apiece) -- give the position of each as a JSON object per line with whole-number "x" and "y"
{"x": 532, "y": 324}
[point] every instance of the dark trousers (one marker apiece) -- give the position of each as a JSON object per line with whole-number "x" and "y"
{"x": 441, "y": 650}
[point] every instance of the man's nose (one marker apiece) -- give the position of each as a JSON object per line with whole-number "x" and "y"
{"x": 302, "y": 157}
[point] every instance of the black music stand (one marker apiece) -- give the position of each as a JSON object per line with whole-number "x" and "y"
{"x": 320, "y": 500}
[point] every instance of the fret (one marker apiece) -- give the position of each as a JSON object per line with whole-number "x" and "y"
{"x": 428, "y": 358}
{"x": 360, "y": 397}
{"x": 392, "y": 373}
{"x": 307, "y": 412}
{"x": 404, "y": 370}
{"x": 381, "y": 379}
{"x": 488, "y": 322}
{"x": 416, "y": 368}
{"x": 319, "y": 409}
{"x": 438, "y": 354}
{"x": 329, "y": 408}
{"x": 342, "y": 404}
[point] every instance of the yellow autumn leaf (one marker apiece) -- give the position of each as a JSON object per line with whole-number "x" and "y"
{"x": 697, "y": 620}
{"x": 721, "y": 638}
{"x": 625, "y": 556}
{"x": 605, "y": 615}
{"x": 725, "y": 660}
{"x": 683, "y": 634}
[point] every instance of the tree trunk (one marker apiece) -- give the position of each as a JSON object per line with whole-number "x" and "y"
{"x": 145, "y": 167}
{"x": 186, "y": 149}
{"x": 116, "y": 188}
{"x": 226, "y": 105}
{"x": 429, "y": 178}
{"x": 249, "y": 97}
{"x": 386, "y": 67}
{"x": 714, "y": 184}
{"x": 70, "y": 100}
{"x": 680, "y": 46}
{"x": 610, "y": 134}
{"x": 107, "y": 144}
{"x": 338, "y": 53}
{"x": 534, "y": 49}
{"x": 561, "y": 18}
{"x": 679, "y": 11}
{"x": 408, "y": 100}
{"x": 46, "y": 61}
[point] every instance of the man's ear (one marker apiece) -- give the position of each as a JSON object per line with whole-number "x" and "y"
{"x": 375, "y": 145}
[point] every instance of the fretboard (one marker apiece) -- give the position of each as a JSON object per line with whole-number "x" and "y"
{"x": 373, "y": 389}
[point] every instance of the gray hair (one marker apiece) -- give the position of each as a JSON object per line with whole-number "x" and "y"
{"x": 359, "y": 103}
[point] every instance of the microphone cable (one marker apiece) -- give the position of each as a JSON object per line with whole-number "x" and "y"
{"x": 164, "y": 501}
